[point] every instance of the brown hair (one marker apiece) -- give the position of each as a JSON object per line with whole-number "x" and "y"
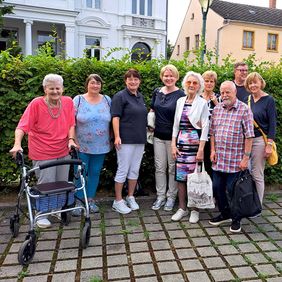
{"x": 171, "y": 68}
{"x": 132, "y": 72}
{"x": 253, "y": 76}
{"x": 238, "y": 64}
{"x": 94, "y": 76}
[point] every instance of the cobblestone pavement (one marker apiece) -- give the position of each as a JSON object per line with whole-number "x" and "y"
{"x": 147, "y": 246}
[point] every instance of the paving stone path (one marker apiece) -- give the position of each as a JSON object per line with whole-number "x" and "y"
{"x": 147, "y": 246}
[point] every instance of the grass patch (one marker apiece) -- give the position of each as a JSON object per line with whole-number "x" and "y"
{"x": 272, "y": 197}
{"x": 22, "y": 274}
{"x": 262, "y": 275}
{"x": 146, "y": 234}
{"x": 96, "y": 279}
{"x": 125, "y": 231}
{"x": 133, "y": 223}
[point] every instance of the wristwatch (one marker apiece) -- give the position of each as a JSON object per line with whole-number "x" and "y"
{"x": 248, "y": 154}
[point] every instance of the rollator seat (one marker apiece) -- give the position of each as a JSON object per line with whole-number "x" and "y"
{"x": 52, "y": 188}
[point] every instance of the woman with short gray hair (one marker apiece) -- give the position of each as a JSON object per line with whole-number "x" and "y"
{"x": 49, "y": 123}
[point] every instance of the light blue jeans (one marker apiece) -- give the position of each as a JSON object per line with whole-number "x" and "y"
{"x": 93, "y": 165}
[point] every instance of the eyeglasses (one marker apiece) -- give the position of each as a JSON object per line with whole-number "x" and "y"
{"x": 242, "y": 70}
{"x": 191, "y": 82}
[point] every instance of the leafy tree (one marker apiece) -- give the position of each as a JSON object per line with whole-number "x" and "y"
{"x": 4, "y": 10}
{"x": 169, "y": 49}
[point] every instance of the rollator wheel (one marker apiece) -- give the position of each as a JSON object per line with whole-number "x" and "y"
{"x": 15, "y": 225}
{"x": 26, "y": 251}
{"x": 66, "y": 218}
{"x": 85, "y": 235}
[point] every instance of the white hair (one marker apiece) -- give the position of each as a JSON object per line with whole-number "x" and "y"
{"x": 198, "y": 77}
{"x": 51, "y": 77}
{"x": 231, "y": 83}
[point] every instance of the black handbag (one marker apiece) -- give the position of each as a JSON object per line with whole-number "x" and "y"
{"x": 245, "y": 201}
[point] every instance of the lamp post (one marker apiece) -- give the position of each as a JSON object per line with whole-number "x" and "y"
{"x": 205, "y": 5}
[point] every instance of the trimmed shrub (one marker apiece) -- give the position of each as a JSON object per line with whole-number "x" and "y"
{"x": 21, "y": 80}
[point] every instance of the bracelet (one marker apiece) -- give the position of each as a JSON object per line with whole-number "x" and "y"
{"x": 269, "y": 143}
{"x": 248, "y": 154}
{"x": 71, "y": 138}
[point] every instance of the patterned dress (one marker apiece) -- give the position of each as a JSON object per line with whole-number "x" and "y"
{"x": 187, "y": 143}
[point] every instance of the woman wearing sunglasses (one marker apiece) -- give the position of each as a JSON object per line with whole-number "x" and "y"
{"x": 190, "y": 132}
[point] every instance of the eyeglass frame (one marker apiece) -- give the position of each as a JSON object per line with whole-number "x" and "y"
{"x": 242, "y": 70}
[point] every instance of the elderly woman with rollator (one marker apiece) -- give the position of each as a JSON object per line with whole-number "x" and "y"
{"x": 49, "y": 123}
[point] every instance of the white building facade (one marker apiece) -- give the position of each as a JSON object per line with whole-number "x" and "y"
{"x": 91, "y": 27}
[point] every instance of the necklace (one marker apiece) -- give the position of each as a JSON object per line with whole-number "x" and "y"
{"x": 54, "y": 116}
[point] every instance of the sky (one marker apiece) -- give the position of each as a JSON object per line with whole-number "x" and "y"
{"x": 177, "y": 10}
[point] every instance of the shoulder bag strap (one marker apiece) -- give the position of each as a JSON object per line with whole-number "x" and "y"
{"x": 107, "y": 101}
{"x": 255, "y": 123}
{"x": 79, "y": 98}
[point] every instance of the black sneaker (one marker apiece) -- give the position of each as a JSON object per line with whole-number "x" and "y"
{"x": 235, "y": 226}
{"x": 219, "y": 219}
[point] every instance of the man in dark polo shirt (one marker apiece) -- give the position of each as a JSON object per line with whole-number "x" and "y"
{"x": 240, "y": 75}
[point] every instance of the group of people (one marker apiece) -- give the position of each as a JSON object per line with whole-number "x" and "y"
{"x": 192, "y": 125}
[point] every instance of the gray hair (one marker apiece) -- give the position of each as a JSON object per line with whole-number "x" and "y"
{"x": 51, "y": 77}
{"x": 198, "y": 77}
{"x": 229, "y": 82}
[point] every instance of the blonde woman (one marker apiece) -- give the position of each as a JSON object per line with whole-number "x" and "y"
{"x": 191, "y": 118}
{"x": 163, "y": 104}
{"x": 212, "y": 98}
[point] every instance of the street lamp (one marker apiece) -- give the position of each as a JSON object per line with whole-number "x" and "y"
{"x": 205, "y": 5}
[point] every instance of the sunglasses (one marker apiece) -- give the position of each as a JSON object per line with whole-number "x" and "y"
{"x": 191, "y": 82}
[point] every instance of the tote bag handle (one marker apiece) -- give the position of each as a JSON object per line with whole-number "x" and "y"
{"x": 197, "y": 165}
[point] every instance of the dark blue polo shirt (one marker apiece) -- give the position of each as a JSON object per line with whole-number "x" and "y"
{"x": 164, "y": 106}
{"x": 132, "y": 112}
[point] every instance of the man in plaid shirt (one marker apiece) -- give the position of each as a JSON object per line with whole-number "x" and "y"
{"x": 231, "y": 132}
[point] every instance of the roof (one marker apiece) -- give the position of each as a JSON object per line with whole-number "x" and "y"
{"x": 247, "y": 13}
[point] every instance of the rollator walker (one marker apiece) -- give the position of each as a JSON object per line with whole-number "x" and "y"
{"x": 48, "y": 199}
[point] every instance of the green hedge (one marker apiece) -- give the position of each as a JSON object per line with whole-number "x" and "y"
{"x": 21, "y": 79}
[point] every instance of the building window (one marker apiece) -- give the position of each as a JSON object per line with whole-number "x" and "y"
{"x": 93, "y": 46}
{"x": 248, "y": 39}
{"x": 96, "y": 4}
{"x": 142, "y": 7}
{"x": 134, "y": 7}
{"x": 45, "y": 36}
{"x": 178, "y": 50}
{"x": 141, "y": 52}
{"x": 6, "y": 38}
{"x": 272, "y": 42}
{"x": 197, "y": 41}
{"x": 192, "y": 16}
{"x": 187, "y": 43}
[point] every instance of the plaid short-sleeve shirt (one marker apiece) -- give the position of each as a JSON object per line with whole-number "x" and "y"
{"x": 230, "y": 127}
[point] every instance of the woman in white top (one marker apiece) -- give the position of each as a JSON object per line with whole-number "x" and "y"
{"x": 190, "y": 132}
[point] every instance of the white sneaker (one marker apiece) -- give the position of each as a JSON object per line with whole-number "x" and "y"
{"x": 194, "y": 217}
{"x": 132, "y": 203}
{"x": 158, "y": 204}
{"x": 43, "y": 223}
{"x": 121, "y": 207}
{"x": 169, "y": 204}
{"x": 179, "y": 214}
